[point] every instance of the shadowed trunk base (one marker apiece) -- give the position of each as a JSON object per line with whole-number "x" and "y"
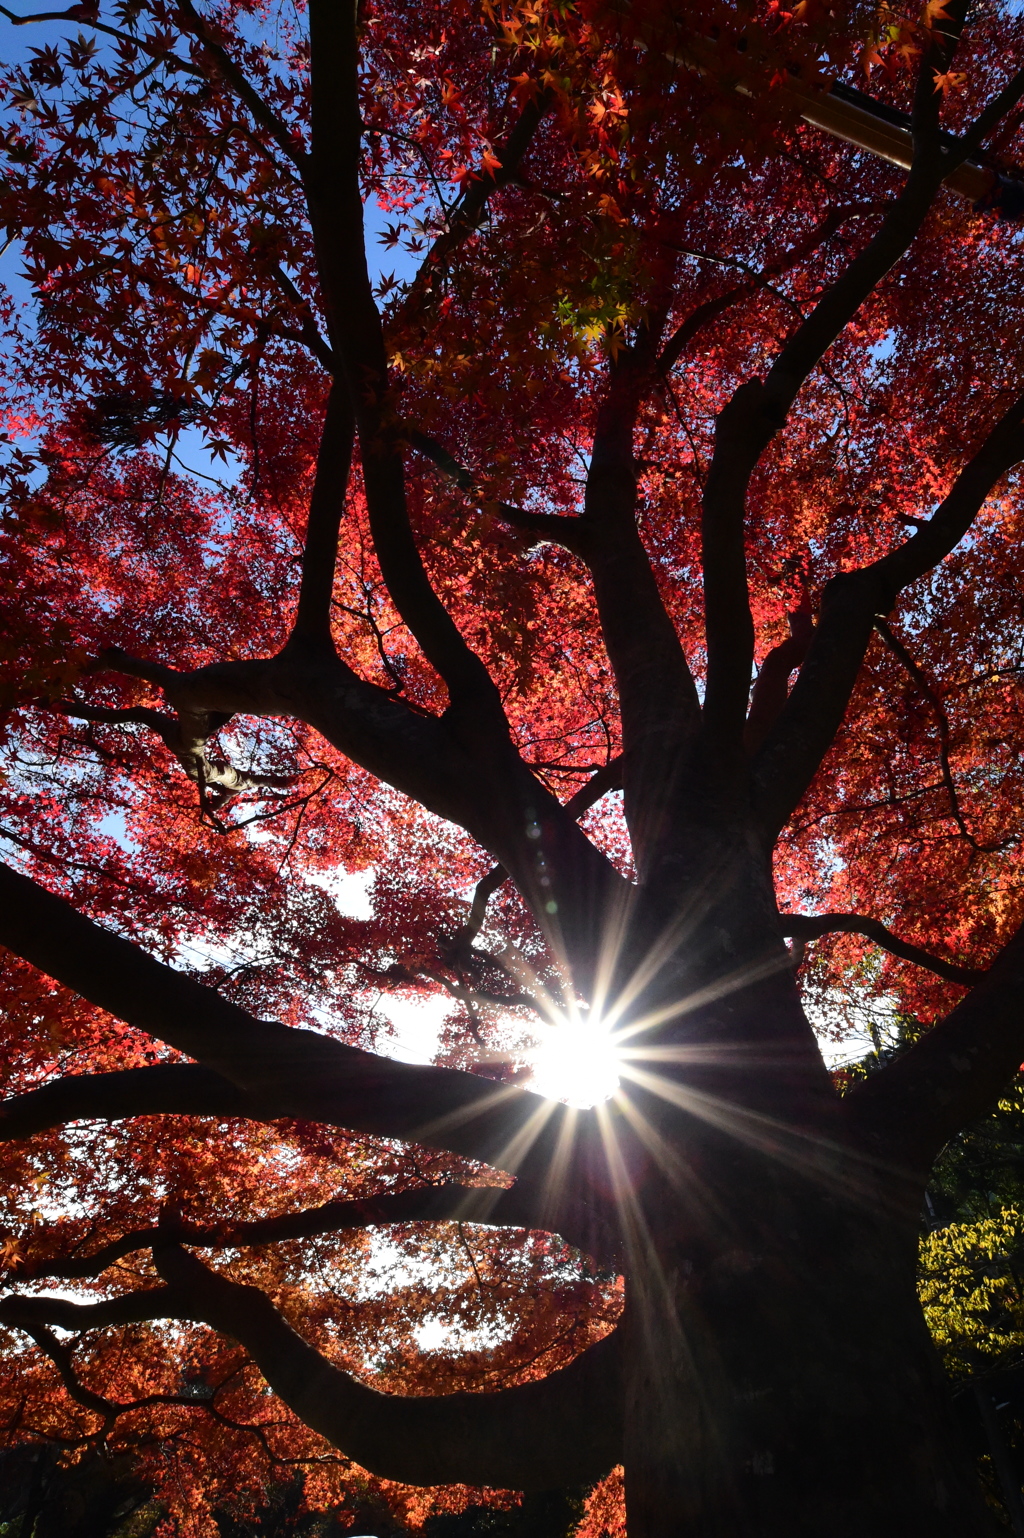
{"x": 781, "y": 1380}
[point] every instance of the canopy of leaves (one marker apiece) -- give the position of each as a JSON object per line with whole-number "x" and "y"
{"x": 166, "y": 309}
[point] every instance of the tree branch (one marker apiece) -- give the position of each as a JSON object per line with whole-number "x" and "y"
{"x": 29, "y": 1314}
{"x": 793, "y": 749}
{"x": 484, "y": 786}
{"x": 658, "y": 700}
{"x": 464, "y": 218}
{"x": 772, "y": 683}
{"x": 331, "y": 180}
{"x": 759, "y": 409}
{"x": 924, "y": 684}
{"x": 286, "y": 1072}
{"x": 563, "y": 1429}
{"x": 503, "y": 1206}
{"x": 808, "y": 926}
{"x": 128, "y": 1308}
{"x": 185, "y": 735}
{"x": 61, "y": 1357}
{"x": 309, "y": 335}
{"x": 74, "y": 13}
{"x": 843, "y": 299}
{"x": 187, "y": 1089}
{"x": 176, "y": 1089}
{"x": 410, "y": 750}
{"x": 548, "y": 526}
{"x": 756, "y": 281}
{"x": 225, "y": 66}
{"x": 992, "y": 115}
{"x": 909, "y": 1109}
{"x": 326, "y": 508}
{"x": 608, "y": 777}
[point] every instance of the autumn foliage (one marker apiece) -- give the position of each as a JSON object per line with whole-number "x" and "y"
{"x": 478, "y": 477}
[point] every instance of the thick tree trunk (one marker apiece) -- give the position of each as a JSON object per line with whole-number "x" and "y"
{"x": 781, "y": 1380}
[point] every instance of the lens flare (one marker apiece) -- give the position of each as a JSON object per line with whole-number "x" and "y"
{"x": 577, "y": 1062}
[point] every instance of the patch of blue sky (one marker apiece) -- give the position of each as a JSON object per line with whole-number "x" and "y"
{"x": 883, "y": 349}
{"x": 191, "y": 451}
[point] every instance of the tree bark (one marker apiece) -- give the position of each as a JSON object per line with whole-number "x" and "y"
{"x": 780, "y": 1379}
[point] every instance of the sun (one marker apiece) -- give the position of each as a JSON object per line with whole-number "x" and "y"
{"x": 576, "y": 1061}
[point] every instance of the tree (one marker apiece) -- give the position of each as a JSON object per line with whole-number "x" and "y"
{"x": 682, "y": 390}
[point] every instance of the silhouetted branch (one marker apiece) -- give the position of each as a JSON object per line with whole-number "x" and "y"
{"x": 756, "y": 280}
{"x": 454, "y": 765}
{"x": 186, "y": 736}
{"x": 566, "y": 1427}
{"x": 909, "y": 1108}
{"x": 793, "y": 749}
{"x": 772, "y": 683}
{"x": 608, "y": 777}
{"x": 464, "y": 218}
{"x": 331, "y": 180}
{"x": 658, "y": 700}
{"x": 431, "y": 1204}
{"x": 898, "y": 649}
{"x": 162, "y": 1089}
{"x": 811, "y": 926}
{"x": 759, "y": 408}
{"x": 232, "y": 74}
{"x": 284, "y": 1072}
{"x": 326, "y": 509}
{"x": 549, "y": 526}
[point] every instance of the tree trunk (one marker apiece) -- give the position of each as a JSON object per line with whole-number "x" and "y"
{"x": 781, "y": 1382}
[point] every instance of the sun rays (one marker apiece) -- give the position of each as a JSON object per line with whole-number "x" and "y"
{"x": 624, "y": 1088}
{"x": 578, "y": 1062}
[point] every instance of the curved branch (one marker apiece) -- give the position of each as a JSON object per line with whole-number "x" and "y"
{"x": 464, "y": 218}
{"x": 658, "y": 700}
{"x": 33, "y": 1316}
{"x": 185, "y": 736}
{"x": 924, "y": 684}
{"x": 186, "y": 1089}
{"x": 283, "y": 1072}
{"x": 772, "y": 684}
{"x": 910, "y": 1108}
{"x": 496, "y": 1205}
{"x": 195, "y": 26}
{"x": 756, "y": 280}
{"x": 356, "y": 338}
{"x": 128, "y": 1308}
{"x": 308, "y": 334}
{"x": 548, "y": 526}
{"x": 407, "y": 749}
{"x": 451, "y": 766}
{"x": 165, "y": 1089}
{"x": 803, "y": 733}
{"x": 807, "y": 926}
{"x": 564, "y": 1429}
{"x": 930, "y": 165}
{"x": 759, "y": 409}
{"x": 61, "y": 1357}
{"x": 608, "y": 777}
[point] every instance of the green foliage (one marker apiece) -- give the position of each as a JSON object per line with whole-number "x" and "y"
{"x": 981, "y": 1171}
{"x": 970, "y": 1289}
